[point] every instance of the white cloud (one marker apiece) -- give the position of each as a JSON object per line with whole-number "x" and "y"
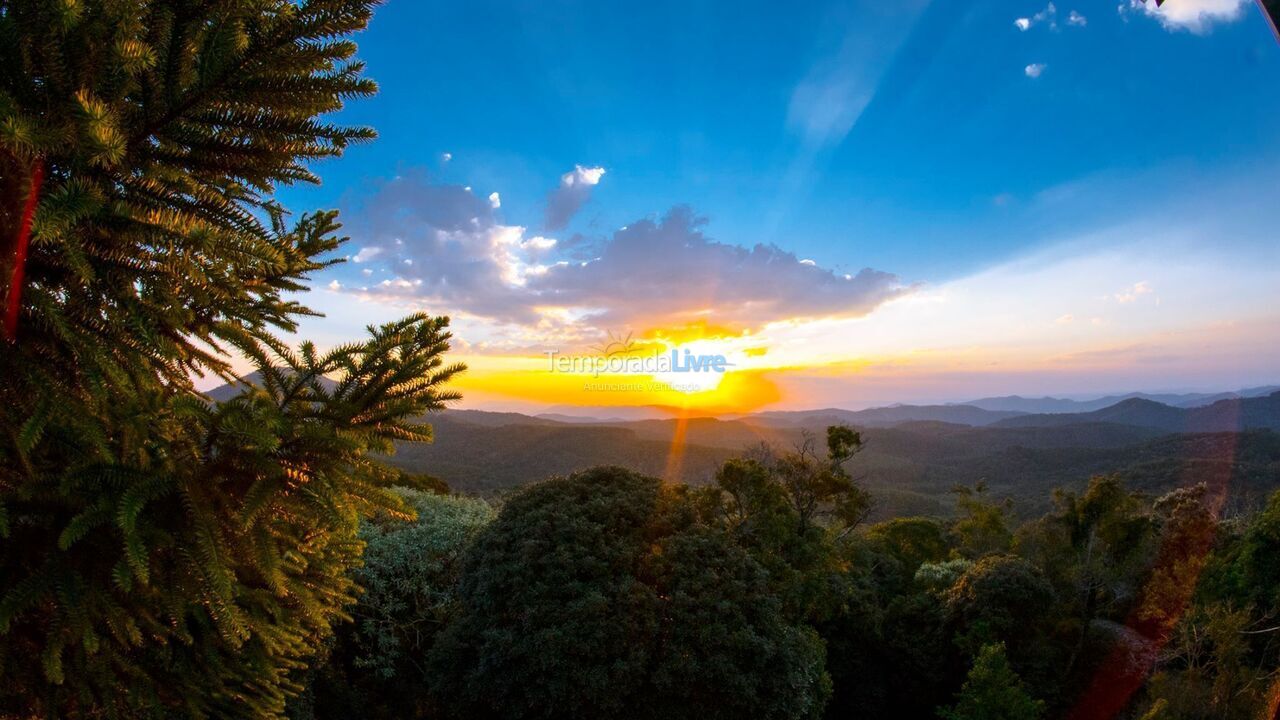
{"x": 1192, "y": 15}
{"x": 582, "y": 176}
{"x": 1075, "y": 19}
{"x": 495, "y": 201}
{"x": 1034, "y": 70}
{"x": 1047, "y": 16}
{"x": 446, "y": 157}
{"x": 573, "y": 192}
{"x": 334, "y": 285}
{"x": 367, "y": 253}
{"x": 1129, "y": 295}
{"x": 1065, "y": 319}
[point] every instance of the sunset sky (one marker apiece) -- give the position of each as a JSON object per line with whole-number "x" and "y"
{"x": 854, "y": 203}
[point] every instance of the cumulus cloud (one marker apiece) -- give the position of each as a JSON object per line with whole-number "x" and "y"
{"x": 444, "y": 248}
{"x": 1034, "y": 70}
{"x": 667, "y": 271}
{"x": 495, "y": 201}
{"x": 570, "y": 195}
{"x": 1075, "y": 19}
{"x": 1192, "y": 15}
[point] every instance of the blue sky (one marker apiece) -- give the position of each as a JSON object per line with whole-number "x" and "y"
{"x": 930, "y": 141}
{"x": 690, "y": 103}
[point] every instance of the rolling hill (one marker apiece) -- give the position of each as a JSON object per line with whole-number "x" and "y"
{"x": 883, "y": 416}
{"x": 1224, "y": 415}
{"x": 1017, "y": 403}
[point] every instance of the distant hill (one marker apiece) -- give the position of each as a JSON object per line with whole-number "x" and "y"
{"x": 1223, "y": 415}
{"x": 1017, "y": 403}
{"x": 608, "y": 413}
{"x": 486, "y": 455}
{"x": 884, "y": 416}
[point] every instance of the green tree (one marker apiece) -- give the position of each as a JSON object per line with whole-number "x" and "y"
{"x": 1221, "y": 658}
{"x": 907, "y": 544}
{"x": 1095, "y": 548}
{"x": 982, "y": 527}
{"x": 162, "y": 556}
{"x": 791, "y": 509}
{"x": 601, "y": 596}
{"x": 1005, "y": 599}
{"x": 161, "y": 129}
{"x": 375, "y": 668}
{"x": 209, "y": 556}
{"x": 993, "y": 691}
{"x": 1252, "y": 570}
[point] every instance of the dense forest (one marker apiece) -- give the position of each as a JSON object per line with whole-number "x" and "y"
{"x": 766, "y": 594}
{"x": 910, "y": 466}
{"x": 166, "y": 554}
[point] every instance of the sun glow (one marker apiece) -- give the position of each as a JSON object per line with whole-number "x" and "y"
{"x": 680, "y": 369}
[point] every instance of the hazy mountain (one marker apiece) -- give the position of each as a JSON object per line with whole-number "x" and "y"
{"x": 1224, "y": 415}
{"x": 607, "y": 413}
{"x": 884, "y": 416}
{"x": 1017, "y": 403}
{"x": 485, "y": 418}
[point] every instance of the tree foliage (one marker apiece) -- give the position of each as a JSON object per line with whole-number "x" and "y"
{"x": 163, "y": 556}
{"x": 163, "y": 127}
{"x": 208, "y": 556}
{"x": 993, "y": 691}
{"x": 610, "y": 594}
{"x": 376, "y": 666}
{"x": 600, "y": 595}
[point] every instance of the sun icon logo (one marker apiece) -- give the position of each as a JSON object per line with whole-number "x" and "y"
{"x": 616, "y": 345}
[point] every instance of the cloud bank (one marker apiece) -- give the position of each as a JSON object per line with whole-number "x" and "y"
{"x": 667, "y": 272}
{"x": 445, "y": 247}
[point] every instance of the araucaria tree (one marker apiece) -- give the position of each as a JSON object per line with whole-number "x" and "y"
{"x": 162, "y": 556}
